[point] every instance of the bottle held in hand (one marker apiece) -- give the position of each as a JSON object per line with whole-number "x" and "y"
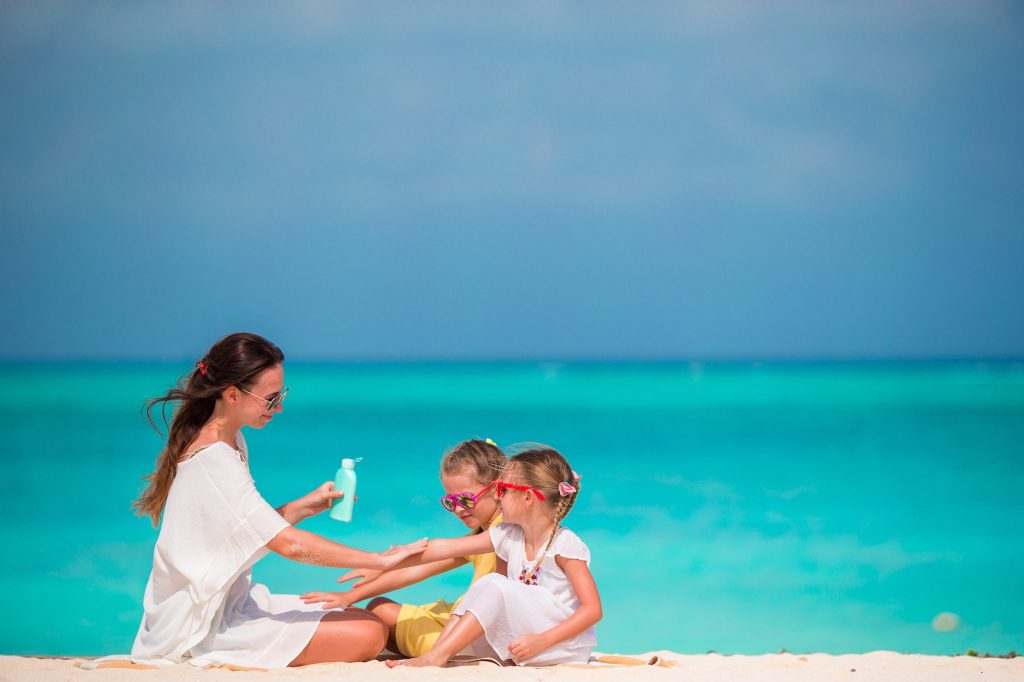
{"x": 345, "y": 481}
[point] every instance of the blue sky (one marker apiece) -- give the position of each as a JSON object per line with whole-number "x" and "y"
{"x": 521, "y": 180}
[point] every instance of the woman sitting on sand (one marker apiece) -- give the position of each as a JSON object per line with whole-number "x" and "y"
{"x": 467, "y": 475}
{"x": 200, "y": 602}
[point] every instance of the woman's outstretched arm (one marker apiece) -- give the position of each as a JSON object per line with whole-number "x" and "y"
{"x": 310, "y": 548}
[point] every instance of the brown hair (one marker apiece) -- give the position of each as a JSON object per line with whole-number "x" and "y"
{"x": 235, "y": 360}
{"x": 483, "y": 458}
{"x": 544, "y": 468}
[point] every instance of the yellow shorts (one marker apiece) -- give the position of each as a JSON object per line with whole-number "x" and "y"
{"x": 418, "y": 627}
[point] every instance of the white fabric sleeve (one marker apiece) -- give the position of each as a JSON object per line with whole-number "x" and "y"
{"x": 238, "y": 522}
{"x": 569, "y": 546}
{"x": 500, "y": 538}
{"x": 231, "y": 478}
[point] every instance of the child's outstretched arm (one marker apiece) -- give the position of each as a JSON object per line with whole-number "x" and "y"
{"x": 449, "y": 548}
{"x": 383, "y": 582}
{"x": 589, "y": 612}
{"x": 435, "y": 559}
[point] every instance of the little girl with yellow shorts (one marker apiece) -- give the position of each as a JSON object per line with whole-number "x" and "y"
{"x": 467, "y": 472}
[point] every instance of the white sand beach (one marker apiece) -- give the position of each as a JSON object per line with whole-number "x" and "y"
{"x": 879, "y": 665}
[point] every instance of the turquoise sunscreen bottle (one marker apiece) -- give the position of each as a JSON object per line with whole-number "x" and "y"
{"x": 345, "y": 481}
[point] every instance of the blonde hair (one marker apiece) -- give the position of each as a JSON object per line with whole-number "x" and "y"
{"x": 482, "y": 459}
{"x": 545, "y": 469}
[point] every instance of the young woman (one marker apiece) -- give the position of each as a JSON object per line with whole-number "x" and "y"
{"x": 200, "y": 602}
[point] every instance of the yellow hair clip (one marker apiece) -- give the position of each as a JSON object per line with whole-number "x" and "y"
{"x": 490, "y": 442}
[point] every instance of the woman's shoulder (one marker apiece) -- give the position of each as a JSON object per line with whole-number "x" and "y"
{"x": 217, "y": 464}
{"x": 217, "y": 450}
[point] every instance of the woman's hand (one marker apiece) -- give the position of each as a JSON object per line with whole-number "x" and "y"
{"x": 365, "y": 575}
{"x": 331, "y": 600}
{"x": 528, "y": 646}
{"x": 396, "y": 555}
{"x": 313, "y": 503}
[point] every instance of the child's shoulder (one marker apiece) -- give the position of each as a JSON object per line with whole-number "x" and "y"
{"x": 569, "y": 545}
{"x": 566, "y": 535}
{"x": 505, "y": 530}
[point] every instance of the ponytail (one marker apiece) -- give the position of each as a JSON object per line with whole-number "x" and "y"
{"x": 565, "y": 504}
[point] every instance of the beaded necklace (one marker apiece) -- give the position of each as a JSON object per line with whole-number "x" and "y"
{"x": 528, "y": 575}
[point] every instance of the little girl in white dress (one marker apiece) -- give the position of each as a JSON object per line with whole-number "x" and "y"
{"x": 541, "y": 605}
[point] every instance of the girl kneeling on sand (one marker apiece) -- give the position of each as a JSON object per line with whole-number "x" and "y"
{"x": 542, "y": 605}
{"x": 467, "y": 475}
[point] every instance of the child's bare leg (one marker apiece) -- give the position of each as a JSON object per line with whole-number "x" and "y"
{"x": 452, "y": 620}
{"x": 462, "y": 634}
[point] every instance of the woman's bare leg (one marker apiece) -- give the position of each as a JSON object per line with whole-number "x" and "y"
{"x": 387, "y": 610}
{"x": 345, "y": 637}
{"x": 459, "y": 637}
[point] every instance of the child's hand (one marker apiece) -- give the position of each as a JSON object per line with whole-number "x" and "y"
{"x": 396, "y": 555}
{"x": 331, "y": 600}
{"x": 365, "y": 575}
{"x": 527, "y": 647}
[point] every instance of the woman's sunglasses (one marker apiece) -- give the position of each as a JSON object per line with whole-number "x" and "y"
{"x": 500, "y": 488}
{"x": 272, "y": 403}
{"x": 465, "y": 500}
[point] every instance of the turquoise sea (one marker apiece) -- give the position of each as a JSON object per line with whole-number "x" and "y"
{"x": 741, "y": 508}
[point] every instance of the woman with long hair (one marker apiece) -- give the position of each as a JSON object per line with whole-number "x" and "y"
{"x": 200, "y": 602}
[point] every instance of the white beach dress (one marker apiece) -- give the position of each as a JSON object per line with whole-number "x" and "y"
{"x": 200, "y": 602}
{"x": 507, "y": 608}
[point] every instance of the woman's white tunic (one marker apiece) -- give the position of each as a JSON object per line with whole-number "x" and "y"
{"x": 200, "y": 602}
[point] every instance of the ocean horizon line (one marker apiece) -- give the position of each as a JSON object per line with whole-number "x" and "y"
{"x": 823, "y": 360}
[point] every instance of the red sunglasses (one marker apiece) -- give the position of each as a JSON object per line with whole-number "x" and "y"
{"x": 500, "y": 488}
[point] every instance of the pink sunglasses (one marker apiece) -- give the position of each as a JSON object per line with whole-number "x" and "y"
{"x": 465, "y": 500}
